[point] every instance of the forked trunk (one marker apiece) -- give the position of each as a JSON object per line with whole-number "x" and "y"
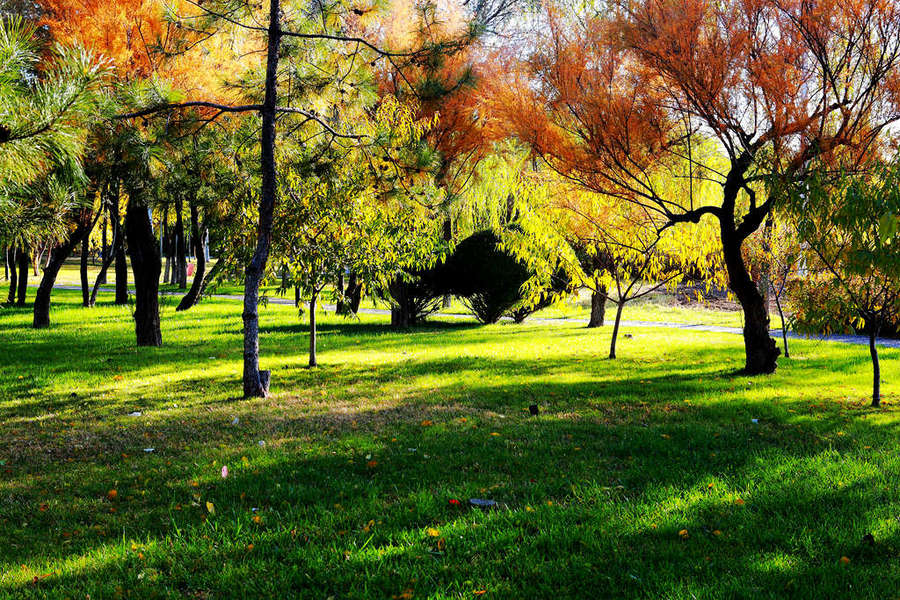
{"x": 58, "y": 257}
{"x": 146, "y": 265}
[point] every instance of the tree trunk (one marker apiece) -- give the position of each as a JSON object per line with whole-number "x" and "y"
{"x": 354, "y": 291}
{"x": 313, "y": 362}
{"x": 164, "y": 244}
{"x": 83, "y": 271}
{"x": 761, "y": 351}
{"x": 180, "y": 248}
{"x": 12, "y": 257}
{"x": 119, "y": 246}
{"x": 598, "y": 309}
{"x": 213, "y": 273}
{"x": 297, "y": 296}
{"x": 876, "y": 367}
{"x": 105, "y": 250}
{"x": 58, "y": 257}
{"x": 146, "y": 266}
{"x": 24, "y": 258}
{"x": 784, "y": 336}
{"x": 193, "y": 295}
{"x": 256, "y": 383}
{"x": 615, "y": 333}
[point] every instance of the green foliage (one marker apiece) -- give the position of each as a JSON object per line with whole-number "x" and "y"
{"x": 848, "y": 223}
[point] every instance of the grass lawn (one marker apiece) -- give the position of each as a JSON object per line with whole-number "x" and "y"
{"x": 643, "y": 477}
{"x": 656, "y": 308}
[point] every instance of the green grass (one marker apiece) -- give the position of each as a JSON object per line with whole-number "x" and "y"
{"x": 656, "y": 308}
{"x": 360, "y": 458}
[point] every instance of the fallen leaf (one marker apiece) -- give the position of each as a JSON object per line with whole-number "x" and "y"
{"x": 112, "y": 494}
{"x": 684, "y": 534}
{"x": 432, "y": 532}
{"x": 211, "y": 508}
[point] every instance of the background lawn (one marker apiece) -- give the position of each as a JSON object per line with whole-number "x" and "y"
{"x": 642, "y": 477}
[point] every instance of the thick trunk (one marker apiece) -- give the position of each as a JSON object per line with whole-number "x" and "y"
{"x": 313, "y": 362}
{"x": 256, "y": 383}
{"x": 193, "y": 295}
{"x": 761, "y": 351}
{"x": 354, "y": 292}
{"x": 402, "y": 313}
{"x": 180, "y": 248}
{"x": 598, "y": 309}
{"x": 12, "y": 254}
{"x": 615, "y": 333}
{"x": 24, "y": 259}
{"x": 876, "y": 367}
{"x": 58, "y": 256}
{"x": 146, "y": 266}
{"x": 83, "y": 272}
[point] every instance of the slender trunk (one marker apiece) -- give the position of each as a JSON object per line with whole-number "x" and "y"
{"x": 164, "y": 243}
{"x": 312, "y": 330}
{"x": 6, "y": 264}
{"x": 876, "y": 367}
{"x": 784, "y": 336}
{"x": 146, "y": 266}
{"x": 341, "y": 304}
{"x": 58, "y": 257}
{"x": 119, "y": 246}
{"x": 108, "y": 257}
{"x": 598, "y": 308}
{"x": 297, "y": 296}
{"x": 24, "y": 257}
{"x": 105, "y": 252}
{"x": 213, "y": 273}
{"x": 180, "y": 248}
{"x": 256, "y": 383}
{"x": 615, "y": 333}
{"x": 83, "y": 271}
{"x": 12, "y": 257}
{"x": 193, "y": 295}
{"x": 448, "y": 237}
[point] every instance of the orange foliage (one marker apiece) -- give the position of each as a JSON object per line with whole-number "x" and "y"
{"x": 140, "y": 41}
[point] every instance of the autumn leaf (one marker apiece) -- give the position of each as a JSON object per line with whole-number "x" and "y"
{"x": 845, "y": 560}
{"x": 427, "y": 423}
{"x": 432, "y": 532}
{"x": 211, "y": 508}
{"x": 112, "y": 494}
{"x": 683, "y": 534}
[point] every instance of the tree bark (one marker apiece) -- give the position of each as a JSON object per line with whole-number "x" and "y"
{"x": 256, "y": 383}
{"x": 598, "y": 309}
{"x": 83, "y": 271}
{"x": 313, "y": 362}
{"x": 24, "y": 258}
{"x": 615, "y": 333}
{"x": 180, "y": 248}
{"x": 12, "y": 260}
{"x": 164, "y": 244}
{"x": 784, "y": 336}
{"x": 119, "y": 246}
{"x": 876, "y": 367}
{"x": 146, "y": 266}
{"x": 58, "y": 256}
{"x": 761, "y": 351}
{"x": 193, "y": 295}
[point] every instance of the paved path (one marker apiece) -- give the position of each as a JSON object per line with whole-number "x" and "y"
{"x": 844, "y": 339}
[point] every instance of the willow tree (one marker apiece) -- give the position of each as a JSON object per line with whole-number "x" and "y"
{"x": 614, "y": 98}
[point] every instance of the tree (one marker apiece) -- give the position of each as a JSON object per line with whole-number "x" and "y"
{"x": 613, "y": 99}
{"x": 850, "y": 225}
